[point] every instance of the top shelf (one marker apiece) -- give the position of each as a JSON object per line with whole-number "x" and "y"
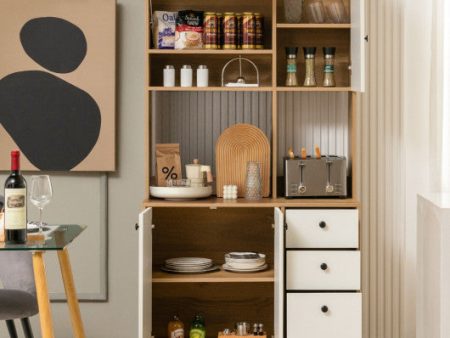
{"x": 211, "y": 51}
{"x": 314, "y": 25}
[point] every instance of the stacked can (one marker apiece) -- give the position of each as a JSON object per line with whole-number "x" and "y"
{"x": 219, "y": 30}
{"x": 259, "y": 31}
{"x": 210, "y": 31}
{"x": 248, "y": 31}
{"x": 229, "y": 31}
{"x": 239, "y": 30}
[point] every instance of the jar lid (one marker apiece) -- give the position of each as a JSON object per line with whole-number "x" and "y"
{"x": 169, "y": 67}
{"x": 309, "y": 50}
{"x": 329, "y": 50}
{"x": 186, "y": 67}
{"x": 291, "y": 50}
{"x": 202, "y": 67}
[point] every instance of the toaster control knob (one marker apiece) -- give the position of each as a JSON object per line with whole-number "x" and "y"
{"x": 323, "y": 225}
{"x": 329, "y": 188}
{"x": 301, "y": 189}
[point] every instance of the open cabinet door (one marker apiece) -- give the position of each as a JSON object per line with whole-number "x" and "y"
{"x": 279, "y": 274}
{"x": 358, "y": 45}
{"x": 145, "y": 274}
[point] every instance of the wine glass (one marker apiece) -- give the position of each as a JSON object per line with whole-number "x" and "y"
{"x": 41, "y": 193}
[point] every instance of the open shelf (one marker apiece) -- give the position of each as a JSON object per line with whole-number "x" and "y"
{"x": 314, "y": 25}
{"x": 211, "y": 51}
{"x": 215, "y": 203}
{"x": 214, "y": 277}
{"x": 210, "y": 89}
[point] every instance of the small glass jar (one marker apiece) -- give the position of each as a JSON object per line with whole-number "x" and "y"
{"x": 328, "y": 68}
{"x": 310, "y": 63}
{"x": 291, "y": 71}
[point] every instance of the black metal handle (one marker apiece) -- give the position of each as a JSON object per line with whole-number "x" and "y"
{"x": 366, "y": 38}
{"x": 323, "y": 225}
{"x": 324, "y": 309}
{"x": 324, "y": 266}
{"x": 136, "y": 226}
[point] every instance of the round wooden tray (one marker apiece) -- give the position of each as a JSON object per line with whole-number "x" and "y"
{"x": 236, "y": 146}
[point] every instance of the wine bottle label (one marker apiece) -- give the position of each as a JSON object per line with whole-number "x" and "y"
{"x": 15, "y": 209}
{"x": 178, "y": 333}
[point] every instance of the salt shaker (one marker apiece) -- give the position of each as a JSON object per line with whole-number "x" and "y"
{"x": 169, "y": 76}
{"x": 186, "y": 76}
{"x": 202, "y": 76}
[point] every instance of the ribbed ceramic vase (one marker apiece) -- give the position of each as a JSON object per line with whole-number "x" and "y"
{"x": 253, "y": 182}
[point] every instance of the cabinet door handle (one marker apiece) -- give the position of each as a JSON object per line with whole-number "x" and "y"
{"x": 324, "y": 266}
{"x": 323, "y": 224}
{"x": 136, "y": 226}
{"x": 324, "y": 309}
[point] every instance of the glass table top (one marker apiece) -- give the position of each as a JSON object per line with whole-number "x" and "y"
{"x": 57, "y": 237}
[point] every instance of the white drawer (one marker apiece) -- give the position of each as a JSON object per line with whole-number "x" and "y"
{"x": 322, "y": 228}
{"x": 306, "y": 317}
{"x": 323, "y": 270}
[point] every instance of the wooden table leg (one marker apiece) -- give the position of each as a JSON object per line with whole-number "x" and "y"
{"x": 72, "y": 300}
{"x": 45, "y": 314}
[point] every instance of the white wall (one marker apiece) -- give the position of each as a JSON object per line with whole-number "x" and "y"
{"x": 116, "y": 318}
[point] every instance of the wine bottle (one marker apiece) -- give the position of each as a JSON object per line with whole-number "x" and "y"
{"x": 15, "y": 203}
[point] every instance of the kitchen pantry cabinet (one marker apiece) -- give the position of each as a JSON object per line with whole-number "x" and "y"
{"x": 289, "y": 296}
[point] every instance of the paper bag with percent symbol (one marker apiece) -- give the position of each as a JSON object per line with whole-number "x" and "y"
{"x": 168, "y": 163}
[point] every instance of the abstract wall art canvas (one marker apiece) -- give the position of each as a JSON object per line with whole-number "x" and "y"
{"x": 57, "y": 84}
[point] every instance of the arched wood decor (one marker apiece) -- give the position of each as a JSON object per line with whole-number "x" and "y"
{"x": 236, "y": 146}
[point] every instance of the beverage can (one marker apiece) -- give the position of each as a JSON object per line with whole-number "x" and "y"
{"x": 229, "y": 30}
{"x": 248, "y": 30}
{"x": 210, "y": 29}
{"x": 259, "y": 31}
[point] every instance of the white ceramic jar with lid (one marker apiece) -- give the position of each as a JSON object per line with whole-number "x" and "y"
{"x": 169, "y": 76}
{"x": 202, "y": 76}
{"x": 186, "y": 76}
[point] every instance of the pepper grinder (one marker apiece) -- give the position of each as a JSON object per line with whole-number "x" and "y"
{"x": 328, "y": 68}
{"x": 291, "y": 71}
{"x": 310, "y": 57}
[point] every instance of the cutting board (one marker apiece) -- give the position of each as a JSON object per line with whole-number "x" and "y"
{"x": 236, "y": 146}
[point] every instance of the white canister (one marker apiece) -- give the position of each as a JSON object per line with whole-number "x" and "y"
{"x": 202, "y": 76}
{"x": 169, "y": 76}
{"x": 186, "y": 76}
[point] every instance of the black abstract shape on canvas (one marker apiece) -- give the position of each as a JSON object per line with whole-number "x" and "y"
{"x": 54, "y": 43}
{"x": 54, "y": 123}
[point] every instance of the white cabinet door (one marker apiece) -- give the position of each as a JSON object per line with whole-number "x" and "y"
{"x": 322, "y": 228}
{"x": 324, "y": 315}
{"x": 323, "y": 270}
{"x": 145, "y": 274}
{"x": 279, "y": 273}
{"x": 358, "y": 45}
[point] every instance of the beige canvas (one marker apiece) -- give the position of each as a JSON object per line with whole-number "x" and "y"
{"x": 95, "y": 75}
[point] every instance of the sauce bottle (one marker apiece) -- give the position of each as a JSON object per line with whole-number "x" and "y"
{"x": 175, "y": 329}
{"x": 198, "y": 329}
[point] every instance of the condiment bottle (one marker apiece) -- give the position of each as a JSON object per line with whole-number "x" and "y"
{"x": 310, "y": 57}
{"x": 186, "y": 76}
{"x": 198, "y": 329}
{"x": 328, "y": 68}
{"x": 291, "y": 71}
{"x": 175, "y": 329}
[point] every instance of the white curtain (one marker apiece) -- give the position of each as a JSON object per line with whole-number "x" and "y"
{"x": 440, "y": 98}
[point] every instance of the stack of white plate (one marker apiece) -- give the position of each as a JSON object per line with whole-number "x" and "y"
{"x": 189, "y": 265}
{"x": 245, "y": 262}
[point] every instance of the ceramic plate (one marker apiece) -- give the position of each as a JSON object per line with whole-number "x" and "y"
{"x": 229, "y": 268}
{"x": 210, "y": 269}
{"x": 176, "y": 193}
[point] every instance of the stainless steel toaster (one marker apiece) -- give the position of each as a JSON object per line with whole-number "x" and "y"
{"x": 315, "y": 177}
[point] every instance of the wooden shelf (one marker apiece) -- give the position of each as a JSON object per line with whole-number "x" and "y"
{"x": 211, "y": 51}
{"x": 214, "y": 203}
{"x": 214, "y": 277}
{"x": 314, "y": 25}
{"x": 314, "y": 89}
{"x": 209, "y": 89}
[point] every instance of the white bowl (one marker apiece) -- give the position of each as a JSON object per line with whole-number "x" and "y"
{"x": 175, "y": 193}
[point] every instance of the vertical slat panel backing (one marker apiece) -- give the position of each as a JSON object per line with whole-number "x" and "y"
{"x": 309, "y": 119}
{"x": 379, "y": 148}
{"x": 196, "y": 120}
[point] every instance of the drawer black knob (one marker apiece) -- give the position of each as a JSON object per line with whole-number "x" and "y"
{"x": 323, "y": 225}
{"x": 324, "y": 266}
{"x": 324, "y": 309}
